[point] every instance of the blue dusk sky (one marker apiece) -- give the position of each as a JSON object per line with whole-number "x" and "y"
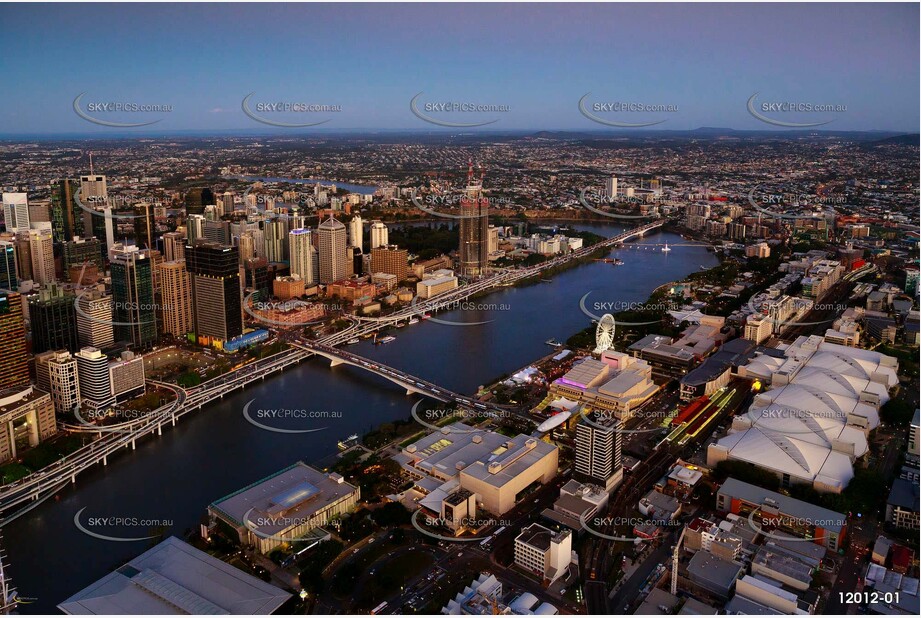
{"x": 539, "y": 60}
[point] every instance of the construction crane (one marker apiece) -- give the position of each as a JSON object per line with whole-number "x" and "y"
{"x": 675, "y": 562}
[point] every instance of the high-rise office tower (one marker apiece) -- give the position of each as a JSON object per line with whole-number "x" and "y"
{"x": 133, "y": 306}
{"x": 300, "y": 248}
{"x": 256, "y": 278}
{"x": 94, "y": 190}
{"x": 196, "y": 200}
{"x": 41, "y": 250}
{"x": 81, "y": 251}
{"x": 215, "y": 274}
{"x": 94, "y": 320}
{"x": 390, "y": 259}
{"x": 94, "y": 195}
{"x": 331, "y": 244}
{"x": 598, "y": 452}
{"x": 379, "y": 234}
{"x": 14, "y": 360}
{"x": 316, "y": 263}
{"x": 610, "y": 187}
{"x": 16, "y": 212}
{"x": 356, "y": 231}
{"x": 53, "y": 320}
{"x": 56, "y": 373}
{"x": 216, "y": 232}
{"x": 102, "y": 226}
{"x": 9, "y": 279}
{"x": 173, "y": 246}
{"x": 66, "y": 216}
{"x": 176, "y": 295}
{"x": 145, "y": 230}
{"x": 93, "y": 378}
{"x": 473, "y": 251}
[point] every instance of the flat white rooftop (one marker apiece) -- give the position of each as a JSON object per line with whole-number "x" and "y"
{"x": 174, "y": 578}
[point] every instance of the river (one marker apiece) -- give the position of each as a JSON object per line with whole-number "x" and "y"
{"x": 215, "y": 451}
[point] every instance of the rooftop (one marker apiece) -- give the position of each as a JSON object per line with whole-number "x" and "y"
{"x": 176, "y": 578}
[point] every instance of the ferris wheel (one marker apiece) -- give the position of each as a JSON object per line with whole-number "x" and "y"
{"x": 604, "y": 333}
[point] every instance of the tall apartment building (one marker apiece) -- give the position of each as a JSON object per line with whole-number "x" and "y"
{"x": 194, "y": 229}
{"x": 473, "y": 251}
{"x": 356, "y": 232}
{"x": 173, "y": 246}
{"x": 216, "y": 299}
{"x": 610, "y": 187}
{"x": 41, "y": 250}
{"x": 14, "y": 360}
{"x": 275, "y": 243}
{"x": 598, "y": 452}
{"x": 390, "y": 259}
{"x": 300, "y": 250}
{"x": 133, "y": 305}
{"x": 331, "y": 246}
{"x": 380, "y": 235}
{"x": 56, "y": 374}
{"x": 53, "y": 320}
{"x": 176, "y": 298}
{"x": 246, "y": 241}
{"x": 227, "y": 203}
{"x": 94, "y": 320}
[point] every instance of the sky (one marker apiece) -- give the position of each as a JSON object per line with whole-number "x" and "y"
{"x": 535, "y": 61}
